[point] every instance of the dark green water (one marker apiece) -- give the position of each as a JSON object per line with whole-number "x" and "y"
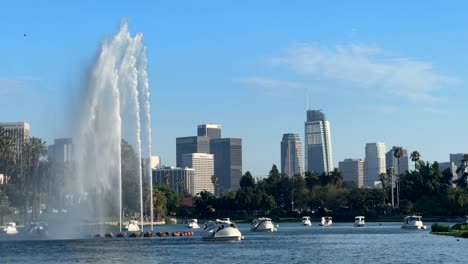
{"x": 293, "y": 243}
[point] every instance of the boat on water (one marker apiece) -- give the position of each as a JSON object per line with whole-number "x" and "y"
{"x": 10, "y": 229}
{"x": 221, "y": 230}
{"x": 36, "y": 228}
{"x": 306, "y": 221}
{"x": 359, "y": 221}
{"x": 132, "y": 226}
{"x": 326, "y": 221}
{"x": 263, "y": 224}
{"x": 192, "y": 223}
{"x": 413, "y": 222}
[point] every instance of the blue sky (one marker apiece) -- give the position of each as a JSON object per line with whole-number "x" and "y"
{"x": 394, "y": 72}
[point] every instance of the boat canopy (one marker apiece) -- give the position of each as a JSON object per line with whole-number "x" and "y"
{"x": 413, "y": 218}
{"x": 359, "y": 217}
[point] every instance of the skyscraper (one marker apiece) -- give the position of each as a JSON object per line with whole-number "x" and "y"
{"x": 392, "y": 162}
{"x": 291, "y": 154}
{"x": 353, "y": 171}
{"x": 227, "y": 163}
{"x": 188, "y": 145}
{"x": 317, "y": 145}
{"x": 212, "y": 131}
{"x": 374, "y": 163}
{"x": 203, "y": 165}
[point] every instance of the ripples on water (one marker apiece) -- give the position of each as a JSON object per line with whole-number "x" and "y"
{"x": 293, "y": 243}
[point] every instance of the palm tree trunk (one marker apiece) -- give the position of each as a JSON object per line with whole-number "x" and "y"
{"x": 35, "y": 192}
{"x": 5, "y": 177}
{"x": 398, "y": 184}
{"x": 4, "y": 188}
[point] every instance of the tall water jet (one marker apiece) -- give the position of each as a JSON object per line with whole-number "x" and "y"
{"x": 114, "y": 109}
{"x": 144, "y": 99}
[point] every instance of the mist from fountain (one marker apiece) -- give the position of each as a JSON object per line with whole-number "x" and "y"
{"x": 116, "y": 107}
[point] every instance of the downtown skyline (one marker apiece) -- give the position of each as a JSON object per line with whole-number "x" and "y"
{"x": 249, "y": 67}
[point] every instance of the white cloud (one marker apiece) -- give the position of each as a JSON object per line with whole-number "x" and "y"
{"x": 363, "y": 66}
{"x": 269, "y": 83}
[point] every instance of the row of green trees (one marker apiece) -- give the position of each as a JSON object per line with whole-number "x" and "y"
{"x": 24, "y": 167}
{"x": 300, "y": 193}
{"x": 426, "y": 189}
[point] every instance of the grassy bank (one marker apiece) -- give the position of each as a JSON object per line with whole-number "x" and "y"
{"x": 458, "y": 230}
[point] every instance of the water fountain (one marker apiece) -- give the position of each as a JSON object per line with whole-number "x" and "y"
{"x": 116, "y": 107}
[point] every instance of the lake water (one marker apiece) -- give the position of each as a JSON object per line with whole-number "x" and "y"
{"x": 293, "y": 243}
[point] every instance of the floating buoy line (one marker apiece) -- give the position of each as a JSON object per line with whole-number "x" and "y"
{"x": 147, "y": 234}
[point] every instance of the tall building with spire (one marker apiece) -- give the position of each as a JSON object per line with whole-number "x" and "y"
{"x": 317, "y": 143}
{"x": 291, "y": 154}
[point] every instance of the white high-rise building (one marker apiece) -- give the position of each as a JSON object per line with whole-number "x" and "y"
{"x": 375, "y": 163}
{"x": 203, "y": 164}
{"x": 317, "y": 143}
{"x": 291, "y": 154}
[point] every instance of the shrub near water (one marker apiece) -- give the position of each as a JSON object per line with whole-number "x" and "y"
{"x": 439, "y": 228}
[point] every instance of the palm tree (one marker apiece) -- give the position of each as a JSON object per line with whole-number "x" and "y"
{"x": 398, "y": 153}
{"x": 214, "y": 180}
{"x": 383, "y": 179}
{"x": 415, "y": 156}
{"x": 462, "y": 172}
{"x": 7, "y": 153}
{"x": 336, "y": 177}
{"x": 167, "y": 179}
{"x": 38, "y": 152}
{"x": 180, "y": 186}
{"x": 311, "y": 178}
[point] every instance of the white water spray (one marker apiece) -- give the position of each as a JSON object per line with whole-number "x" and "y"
{"x": 115, "y": 108}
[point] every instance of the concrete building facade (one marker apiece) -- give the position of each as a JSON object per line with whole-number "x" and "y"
{"x": 19, "y": 132}
{"x": 180, "y": 179}
{"x": 203, "y": 164}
